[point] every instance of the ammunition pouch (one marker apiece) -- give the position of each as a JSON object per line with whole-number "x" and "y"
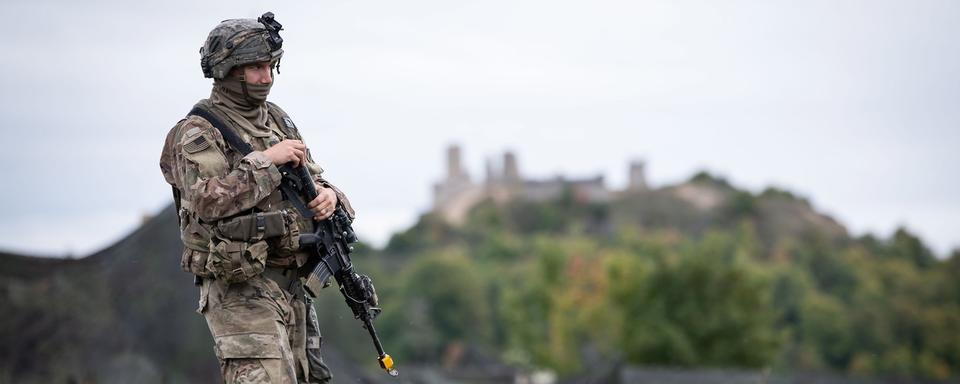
{"x": 254, "y": 227}
{"x": 280, "y": 228}
{"x": 195, "y": 262}
{"x": 196, "y": 241}
{"x": 235, "y": 261}
{"x": 238, "y": 247}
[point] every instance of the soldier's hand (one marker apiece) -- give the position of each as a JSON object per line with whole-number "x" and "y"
{"x": 325, "y": 203}
{"x": 287, "y": 151}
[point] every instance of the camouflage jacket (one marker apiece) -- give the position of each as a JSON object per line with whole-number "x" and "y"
{"x": 216, "y": 183}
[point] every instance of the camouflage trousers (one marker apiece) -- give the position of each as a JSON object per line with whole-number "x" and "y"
{"x": 263, "y": 333}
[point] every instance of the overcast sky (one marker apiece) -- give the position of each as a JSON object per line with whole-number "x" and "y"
{"x": 853, "y": 104}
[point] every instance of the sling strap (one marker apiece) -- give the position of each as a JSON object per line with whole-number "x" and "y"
{"x": 231, "y": 137}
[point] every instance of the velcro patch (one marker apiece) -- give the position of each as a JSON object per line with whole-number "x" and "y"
{"x": 196, "y": 145}
{"x": 193, "y": 132}
{"x": 289, "y": 122}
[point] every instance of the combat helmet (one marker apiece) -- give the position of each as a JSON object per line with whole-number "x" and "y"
{"x": 239, "y": 42}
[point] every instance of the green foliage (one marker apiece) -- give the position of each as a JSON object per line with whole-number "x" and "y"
{"x": 648, "y": 279}
{"x": 443, "y": 301}
{"x": 742, "y": 204}
{"x": 826, "y": 325}
{"x": 907, "y": 246}
{"x": 711, "y": 307}
{"x": 430, "y": 231}
{"x": 705, "y": 176}
{"x": 829, "y": 272}
{"x": 533, "y": 218}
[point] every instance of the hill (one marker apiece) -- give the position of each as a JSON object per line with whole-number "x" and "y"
{"x": 690, "y": 275}
{"x": 699, "y": 274}
{"x": 125, "y": 314}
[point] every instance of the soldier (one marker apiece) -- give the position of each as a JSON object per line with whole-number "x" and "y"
{"x": 239, "y": 231}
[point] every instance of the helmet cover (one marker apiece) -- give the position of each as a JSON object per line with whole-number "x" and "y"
{"x": 237, "y": 42}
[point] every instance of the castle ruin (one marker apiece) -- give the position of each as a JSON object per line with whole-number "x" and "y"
{"x": 457, "y": 192}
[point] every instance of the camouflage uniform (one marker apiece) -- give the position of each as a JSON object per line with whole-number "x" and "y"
{"x": 240, "y": 235}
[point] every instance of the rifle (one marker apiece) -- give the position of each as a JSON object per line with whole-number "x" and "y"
{"x": 329, "y": 248}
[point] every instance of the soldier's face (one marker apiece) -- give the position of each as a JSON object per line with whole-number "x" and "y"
{"x": 258, "y": 73}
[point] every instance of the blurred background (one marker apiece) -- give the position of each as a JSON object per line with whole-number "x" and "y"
{"x": 547, "y": 191}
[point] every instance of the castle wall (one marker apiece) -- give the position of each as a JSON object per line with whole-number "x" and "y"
{"x": 457, "y": 194}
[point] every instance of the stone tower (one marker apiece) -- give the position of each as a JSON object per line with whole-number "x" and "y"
{"x": 456, "y": 193}
{"x": 637, "y": 176}
{"x": 457, "y": 180}
{"x": 511, "y": 171}
{"x": 455, "y": 169}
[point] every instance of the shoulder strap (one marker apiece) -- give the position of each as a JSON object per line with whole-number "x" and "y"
{"x": 176, "y": 202}
{"x": 228, "y": 134}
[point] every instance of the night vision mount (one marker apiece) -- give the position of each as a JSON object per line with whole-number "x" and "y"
{"x": 273, "y": 28}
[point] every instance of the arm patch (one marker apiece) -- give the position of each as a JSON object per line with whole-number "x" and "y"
{"x": 196, "y": 145}
{"x": 194, "y": 140}
{"x": 289, "y": 122}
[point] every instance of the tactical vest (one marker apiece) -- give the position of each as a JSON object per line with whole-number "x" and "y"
{"x": 241, "y": 246}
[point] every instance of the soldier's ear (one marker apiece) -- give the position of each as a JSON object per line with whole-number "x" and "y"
{"x": 236, "y": 73}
